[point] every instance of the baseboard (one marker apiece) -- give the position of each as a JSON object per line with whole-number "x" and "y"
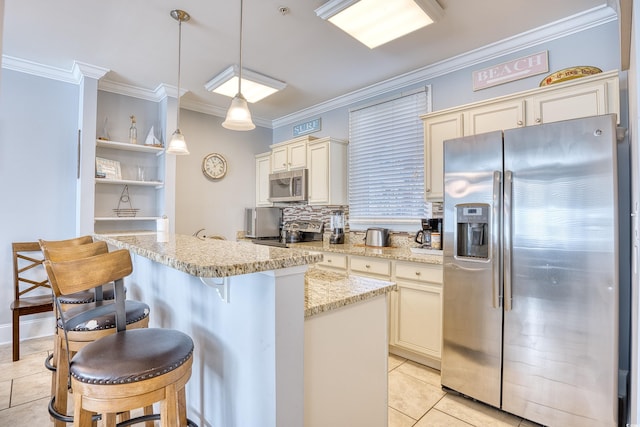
{"x": 29, "y": 329}
{"x": 407, "y": 354}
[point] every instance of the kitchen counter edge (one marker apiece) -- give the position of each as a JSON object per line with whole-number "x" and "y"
{"x": 393, "y": 253}
{"x": 209, "y": 258}
{"x": 326, "y": 291}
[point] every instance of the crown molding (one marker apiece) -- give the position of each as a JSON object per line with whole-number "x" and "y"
{"x": 212, "y": 110}
{"x": 558, "y": 29}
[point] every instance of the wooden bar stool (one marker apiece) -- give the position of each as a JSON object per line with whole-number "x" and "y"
{"x": 83, "y": 324}
{"x": 129, "y": 369}
{"x": 103, "y": 292}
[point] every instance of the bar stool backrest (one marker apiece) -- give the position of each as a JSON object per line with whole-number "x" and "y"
{"x": 67, "y": 277}
{"x": 58, "y": 253}
{"x": 54, "y": 244}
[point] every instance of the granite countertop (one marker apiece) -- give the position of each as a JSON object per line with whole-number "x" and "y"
{"x": 210, "y": 257}
{"x": 326, "y": 290}
{"x": 396, "y": 253}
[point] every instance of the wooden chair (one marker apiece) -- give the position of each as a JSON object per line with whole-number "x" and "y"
{"x": 83, "y": 324}
{"x": 131, "y": 368}
{"x": 27, "y": 286}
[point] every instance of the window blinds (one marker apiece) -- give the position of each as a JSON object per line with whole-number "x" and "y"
{"x": 386, "y": 162}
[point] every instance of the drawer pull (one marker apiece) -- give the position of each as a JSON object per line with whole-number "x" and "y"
{"x": 329, "y": 260}
{"x": 367, "y": 266}
{"x": 417, "y": 273}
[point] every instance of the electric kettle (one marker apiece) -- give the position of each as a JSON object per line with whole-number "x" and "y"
{"x": 376, "y": 237}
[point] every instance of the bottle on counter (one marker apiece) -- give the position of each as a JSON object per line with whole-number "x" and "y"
{"x": 133, "y": 132}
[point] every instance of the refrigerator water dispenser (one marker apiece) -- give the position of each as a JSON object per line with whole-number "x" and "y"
{"x": 472, "y": 240}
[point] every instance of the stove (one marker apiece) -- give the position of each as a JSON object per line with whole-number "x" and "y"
{"x": 295, "y": 232}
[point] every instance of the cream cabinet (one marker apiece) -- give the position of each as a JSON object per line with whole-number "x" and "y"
{"x": 379, "y": 268}
{"x": 289, "y": 155}
{"x": 438, "y": 128}
{"x": 416, "y": 312}
{"x": 333, "y": 261}
{"x": 327, "y": 163}
{"x": 588, "y": 96}
{"x": 263, "y": 168}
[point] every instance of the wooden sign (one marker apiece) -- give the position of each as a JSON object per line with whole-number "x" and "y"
{"x": 517, "y": 69}
{"x": 307, "y": 127}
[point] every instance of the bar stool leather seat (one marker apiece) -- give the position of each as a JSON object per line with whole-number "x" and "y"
{"x": 133, "y": 355}
{"x": 101, "y": 316}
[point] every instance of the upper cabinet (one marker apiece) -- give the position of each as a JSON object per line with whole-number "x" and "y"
{"x": 289, "y": 155}
{"x": 327, "y": 163}
{"x": 588, "y": 96}
{"x": 263, "y": 168}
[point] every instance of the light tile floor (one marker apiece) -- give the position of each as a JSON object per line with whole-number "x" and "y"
{"x": 415, "y": 396}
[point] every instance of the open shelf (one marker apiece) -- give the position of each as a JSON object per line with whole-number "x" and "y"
{"x": 129, "y": 147}
{"x": 126, "y": 218}
{"x": 156, "y": 184}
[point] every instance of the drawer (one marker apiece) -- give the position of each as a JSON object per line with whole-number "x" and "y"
{"x": 419, "y": 272}
{"x": 334, "y": 260}
{"x": 380, "y": 267}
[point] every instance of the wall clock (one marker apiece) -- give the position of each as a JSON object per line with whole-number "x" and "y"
{"x": 214, "y": 166}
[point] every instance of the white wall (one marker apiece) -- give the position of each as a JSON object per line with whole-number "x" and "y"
{"x": 38, "y": 155}
{"x": 216, "y": 206}
{"x": 634, "y": 121}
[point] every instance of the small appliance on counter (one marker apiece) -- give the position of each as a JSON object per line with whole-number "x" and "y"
{"x": 294, "y": 232}
{"x": 378, "y": 237}
{"x": 430, "y": 235}
{"x": 337, "y": 227}
{"x": 262, "y": 222}
{"x": 301, "y": 231}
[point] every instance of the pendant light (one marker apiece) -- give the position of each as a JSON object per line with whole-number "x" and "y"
{"x": 178, "y": 145}
{"x": 238, "y": 115}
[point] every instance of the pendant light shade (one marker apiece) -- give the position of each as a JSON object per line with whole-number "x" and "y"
{"x": 178, "y": 145}
{"x": 238, "y": 115}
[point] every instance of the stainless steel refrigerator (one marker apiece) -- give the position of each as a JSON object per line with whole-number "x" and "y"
{"x": 530, "y": 298}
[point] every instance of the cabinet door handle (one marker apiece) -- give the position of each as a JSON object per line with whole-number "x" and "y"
{"x": 519, "y": 122}
{"x": 417, "y": 273}
{"x": 367, "y": 266}
{"x": 328, "y": 260}
{"x": 538, "y": 120}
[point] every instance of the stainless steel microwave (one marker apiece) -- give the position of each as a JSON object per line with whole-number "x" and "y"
{"x": 290, "y": 186}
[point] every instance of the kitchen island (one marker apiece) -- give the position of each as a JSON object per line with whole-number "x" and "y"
{"x": 269, "y": 335}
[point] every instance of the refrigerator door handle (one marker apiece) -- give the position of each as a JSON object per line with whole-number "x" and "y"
{"x": 495, "y": 238}
{"x": 508, "y": 184}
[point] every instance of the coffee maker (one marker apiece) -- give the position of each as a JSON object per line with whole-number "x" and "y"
{"x": 429, "y": 236}
{"x": 337, "y": 227}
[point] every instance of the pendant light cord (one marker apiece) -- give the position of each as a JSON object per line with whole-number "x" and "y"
{"x": 179, "y": 56}
{"x": 240, "y": 73}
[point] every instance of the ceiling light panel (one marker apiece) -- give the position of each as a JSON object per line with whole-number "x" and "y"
{"x": 255, "y": 86}
{"x": 376, "y": 22}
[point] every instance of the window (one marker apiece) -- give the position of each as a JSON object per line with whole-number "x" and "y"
{"x": 386, "y": 163}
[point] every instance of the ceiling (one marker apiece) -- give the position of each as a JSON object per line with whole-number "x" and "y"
{"x": 137, "y": 41}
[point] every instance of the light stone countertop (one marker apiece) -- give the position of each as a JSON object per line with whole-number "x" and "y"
{"x": 326, "y": 290}
{"x": 396, "y": 253}
{"x": 210, "y": 257}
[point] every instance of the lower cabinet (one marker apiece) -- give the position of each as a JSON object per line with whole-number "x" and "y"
{"x": 333, "y": 261}
{"x": 415, "y": 328}
{"x": 414, "y": 309}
